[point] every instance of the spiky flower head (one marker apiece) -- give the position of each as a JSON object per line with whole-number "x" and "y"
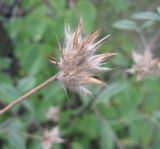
{"x": 53, "y": 114}
{"x": 79, "y": 61}
{"x": 145, "y": 64}
{"x": 51, "y": 137}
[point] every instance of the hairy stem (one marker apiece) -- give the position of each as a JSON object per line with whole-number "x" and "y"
{"x": 23, "y": 97}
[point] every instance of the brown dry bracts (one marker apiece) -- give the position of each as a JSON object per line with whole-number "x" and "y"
{"x": 145, "y": 64}
{"x": 77, "y": 65}
{"x": 51, "y": 138}
{"x": 79, "y": 61}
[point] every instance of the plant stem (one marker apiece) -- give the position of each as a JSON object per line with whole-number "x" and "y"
{"x": 143, "y": 39}
{"x": 154, "y": 40}
{"x": 23, "y": 97}
{"x": 32, "y": 136}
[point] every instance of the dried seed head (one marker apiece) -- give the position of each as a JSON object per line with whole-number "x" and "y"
{"x": 53, "y": 114}
{"x": 79, "y": 62}
{"x": 51, "y": 137}
{"x": 144, "y": 65}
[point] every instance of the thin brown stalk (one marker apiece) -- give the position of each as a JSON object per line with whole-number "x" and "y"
{"x": 25, "y": 96}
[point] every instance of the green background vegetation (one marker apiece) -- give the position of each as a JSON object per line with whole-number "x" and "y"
{"x": 126, "y": 114}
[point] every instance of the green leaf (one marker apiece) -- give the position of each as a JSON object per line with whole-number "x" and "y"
{"x": 91, "y": 129}
{"x": 147, "y": 23}
{"x": 146, "y": 16}
{"x": 34, "y": 144}
{"x": 5, "y": 78}
{"x": 77, "y": 145}
{"x": 54, "y": 96}
{"x": 70, "y": 17}
{"x": 58, "y": 5}
{"x": 126, "y": 25}
{"x": 141, "y": 131}
{"x": 8, "y": 92}
{"x": 111, "y": 91}
{"x": 39, "y": 31}
{"x": 16, "y": 141}
{"x": 16, "y": 125}
{"x": 26, "y": 84}
{"x": 32, "y": 59}
{"x": 119, "y": 5}
{"x": 4, "y": 63}
{"x": 128, "y": 141}
{"x": 158, "y": 9}
{"x": 88, "y": 12}
{"x": 5, "y": 124}
{"x": 106, "y": 138}
{"x": 15, "y": 138}
{"x": 156, "y": 144}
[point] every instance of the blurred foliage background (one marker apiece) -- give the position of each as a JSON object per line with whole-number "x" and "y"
{"x": 124, "y": 115}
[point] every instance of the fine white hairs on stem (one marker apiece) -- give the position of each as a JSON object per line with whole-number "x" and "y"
{"x": 79, "y": 61}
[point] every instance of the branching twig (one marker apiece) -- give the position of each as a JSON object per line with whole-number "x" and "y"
{"x": 23, "y": 97}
